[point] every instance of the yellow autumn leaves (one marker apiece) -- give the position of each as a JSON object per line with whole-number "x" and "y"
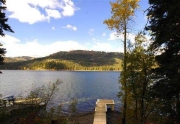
{"x": 122, "y": 11}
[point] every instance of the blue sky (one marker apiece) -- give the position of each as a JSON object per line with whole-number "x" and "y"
{"x": 43, "y": 27}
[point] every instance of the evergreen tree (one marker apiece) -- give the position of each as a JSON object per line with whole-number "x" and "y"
{"x": 2, "y": 53}
{"x": 164, "y": 25}
{"x": 3, "y": 27}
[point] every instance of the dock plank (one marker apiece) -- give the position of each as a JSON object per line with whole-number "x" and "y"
{"x": 100, "y": 110}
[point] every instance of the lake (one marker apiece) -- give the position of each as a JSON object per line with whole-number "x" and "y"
{"x": 86, "y": 86}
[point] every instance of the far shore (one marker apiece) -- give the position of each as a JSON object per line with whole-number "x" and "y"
{"x": 69, "y": 70}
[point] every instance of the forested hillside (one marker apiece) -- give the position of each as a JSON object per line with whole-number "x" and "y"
{"x": 17, "y": 59}
{"x": 73, "y": 60}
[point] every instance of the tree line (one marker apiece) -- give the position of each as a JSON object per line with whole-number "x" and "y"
{"x": 150, "y": 88}
{"x": 55, "y": 64}
{"x": 73, "y": 60}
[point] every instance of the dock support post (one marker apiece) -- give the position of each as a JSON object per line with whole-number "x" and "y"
{"x": 112, "y": 107}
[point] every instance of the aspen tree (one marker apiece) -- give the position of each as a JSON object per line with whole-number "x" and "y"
{"x": 122, "y": 13}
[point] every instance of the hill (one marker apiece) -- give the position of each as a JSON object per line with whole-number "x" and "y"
{"x": 73, "y": 60}
{"x": 17, "y": 59}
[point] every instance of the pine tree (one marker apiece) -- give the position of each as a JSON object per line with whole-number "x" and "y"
{"x": 164, "y": 27}
{"x": 3, "y": 27}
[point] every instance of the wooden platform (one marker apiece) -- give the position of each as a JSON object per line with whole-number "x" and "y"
{"x": 101, "y": 109}
{"x": 33, "y": 101}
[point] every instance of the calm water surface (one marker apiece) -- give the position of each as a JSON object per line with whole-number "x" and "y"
{"x": 86, "y": 86}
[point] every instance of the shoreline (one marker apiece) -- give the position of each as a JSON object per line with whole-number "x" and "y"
{"x": 112, "y": 117}
{"x": 88, "y": 118}
{"x": 83, "y": 118}
{"x": 66, "y": 70}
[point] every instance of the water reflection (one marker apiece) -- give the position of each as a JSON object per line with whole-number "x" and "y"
{"x": 85, "y": 86}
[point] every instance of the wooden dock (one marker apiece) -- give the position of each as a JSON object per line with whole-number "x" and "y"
{"x": 101, "y": 109}
{"x": 31, "y": 101}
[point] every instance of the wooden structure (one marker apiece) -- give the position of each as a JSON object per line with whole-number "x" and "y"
{"x": 11, "y": 100}
{"x": 7, "y": 101}
{"x": 31, "y": 101}
{"x": 101, "y": 109}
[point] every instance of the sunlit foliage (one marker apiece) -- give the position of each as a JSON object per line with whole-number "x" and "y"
{"x": 122, "y": 12}
{"x": 140, "y": 61}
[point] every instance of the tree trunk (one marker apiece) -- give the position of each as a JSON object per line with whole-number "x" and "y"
{"x": 125, "y": 86}
{"x": 143, "y": 94}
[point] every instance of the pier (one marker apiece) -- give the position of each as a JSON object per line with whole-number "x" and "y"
{"x": 11, "y": 100}
{"x": 101, "y": 109}
{"x": 30, "y": 101}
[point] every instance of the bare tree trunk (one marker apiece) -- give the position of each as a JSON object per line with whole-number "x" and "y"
{"x": 125, "y": 86}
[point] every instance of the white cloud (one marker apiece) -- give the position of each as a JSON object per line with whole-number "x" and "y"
{"x": 24, "y": 12}
{"x": 107, "y": 47}
{"x": 29, "y": 11}
{"x": 104, "y": 34}
{"x": 53, "y": 13}
{"x": 116, "y": 36}
{"x": 33, "y": 48}
{"x": 130, "y": 38}
{"x": 94, "y": 39}
{"x": 91, "y": 32}
{"x": 102, "y": 46}
{"x": 70, "y": 27}
{"x": 43, "y": 3}
{"x": 68, "y": 8}
{"x": 15, "y": 47}
{"x": 53, "y": 28}
{"x": 9, "y": 39}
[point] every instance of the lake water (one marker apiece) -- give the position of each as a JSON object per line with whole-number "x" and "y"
{"x": 86, "y": 86}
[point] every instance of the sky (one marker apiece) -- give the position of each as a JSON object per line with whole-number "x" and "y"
{"x": 44, "y": 27}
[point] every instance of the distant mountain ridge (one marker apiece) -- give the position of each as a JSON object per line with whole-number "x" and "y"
{"x": 17, "y": 59}
{"x": 72, "y": 60}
